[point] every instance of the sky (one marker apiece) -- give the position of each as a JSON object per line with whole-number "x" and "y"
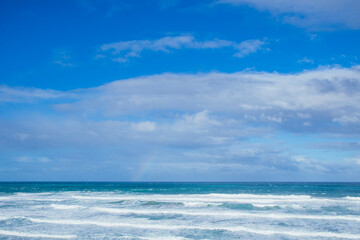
{"x": 180, "y": 90}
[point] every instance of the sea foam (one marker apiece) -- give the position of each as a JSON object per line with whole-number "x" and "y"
{"x": 35, "y": 235}
{"x": 201, "y": 227}
{"x": 180, "y": 211}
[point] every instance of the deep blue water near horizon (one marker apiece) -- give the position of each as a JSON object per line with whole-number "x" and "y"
{"x": 179, "y": 210}
{"x": 312, "y": 188}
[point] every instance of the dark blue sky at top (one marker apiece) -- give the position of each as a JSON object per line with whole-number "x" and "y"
{"x": 37, "y": 33}
{"x": 180, "y": 90}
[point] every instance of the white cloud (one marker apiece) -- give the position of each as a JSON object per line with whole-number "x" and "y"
{"x": 122, "y": 51}
{"x": 324, "y": 95}
{"x": 23, "y": 159}
{"x": 305, "y": 60}
{"x": 64, "y": 64}
{"x": 348, "y": 119}
{"x": 321, "y": 95}
{"x": 354, "y": 160}
{"x": 18, "y": 94}
{"x": 316, "y": 15}
{"x": 144, "y": 126}
{"x": 358, "y": 161}
{"x": 307, "y": 124}
{"x": 215, "y": 119}
{"x": 200, "y": 119}
{"x": 29, "y": 159}
{"x": 248, "y": 47}
{"x": 62, "y": 58}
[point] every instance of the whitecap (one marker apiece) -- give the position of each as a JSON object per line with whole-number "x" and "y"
{"x": 233, "y": 214}
{"x": 64, "y": 207}
{"x": 35, "y": 235}
{"x": 158, "y": 226}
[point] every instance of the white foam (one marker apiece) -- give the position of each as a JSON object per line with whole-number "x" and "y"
{"x": 64, "y": 207}
{"x": 197, "y": 196}
{"x": 176, "y": 227}
{"x": 353, "y": 198}
{"x": 163, "y": 238}
{"x": 27, "y": 198}
{"x": 264, "y": 205}
{"x": 295, "y": 233}
{"x": 258, "y": 196}
{"x": 218, "y": 198}
{"x": 11, "y": 217}
{"x": 236, "y": 214}
{"x": 35, "y": 235}
{"x": 200, "y": 204}
{"x": 3, "y": 218}
{"x": 295, "y": 206}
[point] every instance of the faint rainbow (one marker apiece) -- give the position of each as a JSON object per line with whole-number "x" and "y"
{"x": 143, "y": 168}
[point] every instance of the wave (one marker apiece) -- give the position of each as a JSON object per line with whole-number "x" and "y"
{"x": 352, "y": 198}
{"x": 65, "y": 207}
{"x": 226, "y": 214}
{"x": 17, "y": 198}
{"x": 231, "y": 214}
{"x": 201, "y": 196}
{"x": 4, "y": 218}
{"x": 297, "y": 233}
{"x": 163, "y": 238}
{"x": 220, "y": 198}
{"x": 200, "y": 204}
{"x": 155, "y": 203}
{"x": 222, "y": 228}
{"x": 265, "y": 196}
{"x": 35, "y": 235}
{"x": 265, "y": 205}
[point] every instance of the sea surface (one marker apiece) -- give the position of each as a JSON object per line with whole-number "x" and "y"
{"x": 88, "y": 210}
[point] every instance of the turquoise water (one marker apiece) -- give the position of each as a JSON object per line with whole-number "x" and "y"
{"x": 179, "y": 210}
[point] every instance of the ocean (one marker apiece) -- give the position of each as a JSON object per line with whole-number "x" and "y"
{"x": 103, "y": 210}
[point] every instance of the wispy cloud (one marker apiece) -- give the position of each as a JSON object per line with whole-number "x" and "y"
{"x": 314, "y": 15}
{"x": 29, "y": 159}
{"x": 64, "y": 64}
{"x": 305, "y": 60}
{"x": 18, "y": 94}
{"x": 62, "y": 58}
{"x": 248, "y": 47}
{"x": 123, "y": 51}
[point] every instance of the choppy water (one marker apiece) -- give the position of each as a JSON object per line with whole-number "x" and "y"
{"x": 179, "y": 211}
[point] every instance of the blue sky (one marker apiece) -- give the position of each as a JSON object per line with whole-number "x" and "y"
{"x": 227, "y": 90}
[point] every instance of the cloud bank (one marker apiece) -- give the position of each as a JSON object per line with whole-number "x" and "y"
{"x": 314, "y": 15}
{"x": 206, "y": 126}
{"x": 325, "y": 96}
